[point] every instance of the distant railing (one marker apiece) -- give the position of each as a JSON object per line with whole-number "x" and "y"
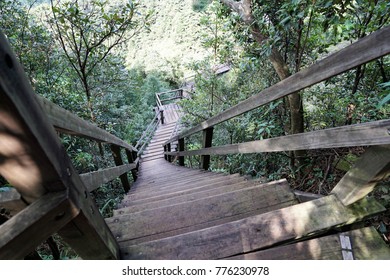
{"x": 47, "y": 194}
{"x": 172, "y": 95}
{"x": 373, "y": 165}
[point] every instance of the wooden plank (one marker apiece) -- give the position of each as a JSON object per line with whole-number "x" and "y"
{"x": 68, "y": 123}
{"x": 198, "y": 212}
{"x": 94, "y": 180}
{"x": 366, "y": 245}
{"x": 204, "y": 191}
{"x": 12, "y": 201}
{"x": 32, "y": 158}
{"x": 365, "y": 50}
{"x": 24, "y": 232}
{"x": 257, "y": 232}
{"x": 366, "y": 134}
{"x": 116, "y": 152}
{"x": 372, "y": 167}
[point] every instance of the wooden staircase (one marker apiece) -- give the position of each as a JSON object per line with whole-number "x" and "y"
{"x": 174, "y": 212}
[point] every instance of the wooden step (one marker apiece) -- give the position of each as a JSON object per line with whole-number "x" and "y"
{"x": 172, "y": 182}
{"x": 211, "y": 183}
{"x": 364, "y": 244}
{"x": 256, "y": 232}
{"x": 188, "y": 197}
{"x": 201, "y": 213}
{"x": 217, "y": 186}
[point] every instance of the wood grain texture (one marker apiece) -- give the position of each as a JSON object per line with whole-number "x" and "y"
{"x": 68, "y": 123}
{"x": 372, "y": 167}
{"x": 256, "y": 232}
{"x": 367, "y": 245}
{"x": 35, "y": 224}
{"x": 33, "y": 160}
{"x": 94, "y": 180}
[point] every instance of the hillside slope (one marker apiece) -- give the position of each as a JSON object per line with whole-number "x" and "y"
{"x": 173, "y": 42}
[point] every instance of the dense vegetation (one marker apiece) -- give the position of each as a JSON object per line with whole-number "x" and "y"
{"x": 104, "y": 60}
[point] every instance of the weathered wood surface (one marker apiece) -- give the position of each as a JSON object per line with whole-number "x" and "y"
{"x": 94, "y": 180}
{"x": 193, "y": 194}
{"x": 372, "y": 167}
{"x": 245, "y": 202}
{"x": 366, "y": 134}
{"x": 12, "y": 201}
{"x": 256, "y": 232}
{"x": 116, "y": 152}
{"x": 33, "y": 160}
{"x": 366, "y": 245}
{"x": 215, "y": 187}
{"x": 68, "y": 123}
{"x": 33, "y": 225}
{"x": 365, "y": 50}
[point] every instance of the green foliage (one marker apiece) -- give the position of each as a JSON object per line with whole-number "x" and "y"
{"x": 200, "y": 5}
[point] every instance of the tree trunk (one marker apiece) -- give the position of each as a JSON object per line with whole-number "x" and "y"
{"x": 244, "y": 9}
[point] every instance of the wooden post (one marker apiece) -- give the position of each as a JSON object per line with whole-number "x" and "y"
{"x": 181, "y": 149}
{"x": 165, "y": 150}
{"x": 162, "y": 116}
{"x": 116, "y": 152}
{"x": 168, "y": 150}
{"x": 130, "y": 159}
{"x": 207, "y": 143}
{"x": 372, "y": 167}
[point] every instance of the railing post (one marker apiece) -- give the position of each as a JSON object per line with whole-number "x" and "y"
{"x": 116, "y": 152}
{"x": 130, "y": 159}
{"x": 168, "y": 150}
{"x": 181, "y": 149}
{"x": 165, "y": 150}
{"x": 162, "y": 116}
{"x": 207, "y": 143}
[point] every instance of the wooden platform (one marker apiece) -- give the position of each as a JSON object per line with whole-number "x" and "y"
{"x": 175, "y": 212}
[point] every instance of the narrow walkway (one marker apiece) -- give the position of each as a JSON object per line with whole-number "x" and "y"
{"x": 175, "y": 212}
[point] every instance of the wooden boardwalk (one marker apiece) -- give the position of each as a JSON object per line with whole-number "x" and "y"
{"x": 174, "y": 212}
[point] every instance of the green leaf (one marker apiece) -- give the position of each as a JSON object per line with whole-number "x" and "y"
{"x": 384, "y": 101}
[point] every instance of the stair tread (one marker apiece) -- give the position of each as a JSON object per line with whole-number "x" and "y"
{"x": 255, "y": 232}
{"x": 203, "y": 212}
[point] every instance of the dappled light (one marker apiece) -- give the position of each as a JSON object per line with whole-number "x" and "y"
{"x": 234, "y": 130}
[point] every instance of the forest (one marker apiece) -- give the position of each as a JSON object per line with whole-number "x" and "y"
{"x": 105, "y": 61}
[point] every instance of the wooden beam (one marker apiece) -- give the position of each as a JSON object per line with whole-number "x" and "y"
{"x": 24, "y": 232}
{"x": 94, "y": 180}
{"x": 365, "y": 50}
{"x": 116, "y": 152}
{"x": 68, "y": 123}
{"x": 372, "y": 167}
{"x": 367, "y": 245}
{"x": 366, "y": 134}
{"x": 33, "y": 160}
{"x": 207, "y": 143}
{"x": 256, "y": 232}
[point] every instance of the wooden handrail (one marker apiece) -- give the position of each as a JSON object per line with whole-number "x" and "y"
{"x": 365, "y": 50}
{"x": 365, "y": 134}
{"x": 49, "y": 195}
{"x": 68, "y": 123}
{"x": 360, "y": 180}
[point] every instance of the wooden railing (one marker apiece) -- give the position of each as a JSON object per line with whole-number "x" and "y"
{"x": 172, "y": 95}
{"x": 372, "y": 165}
{"x": 48, "y": 195}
